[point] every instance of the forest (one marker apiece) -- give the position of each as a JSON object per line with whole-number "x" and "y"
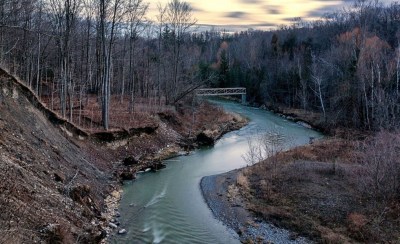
{"x": 76, "y": 53}
{"x": 126, "y": 81}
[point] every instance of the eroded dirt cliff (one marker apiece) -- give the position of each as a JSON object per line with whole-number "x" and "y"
{"x": 52, "y": 186}
{"x": 56, "y": 179}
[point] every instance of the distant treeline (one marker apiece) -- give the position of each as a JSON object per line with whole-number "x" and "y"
{"x": 345, "y": 66}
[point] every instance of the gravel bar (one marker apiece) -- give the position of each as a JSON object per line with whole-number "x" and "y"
{"x": 232, "y": 212}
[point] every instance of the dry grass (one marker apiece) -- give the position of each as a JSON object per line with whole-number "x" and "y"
{"x": 242, "y": 181}
{"x": 121, "y": 115}
{"x": 316, "y": 191}
{"x": 326, "y": 150}
{"x": 357, "y": 221}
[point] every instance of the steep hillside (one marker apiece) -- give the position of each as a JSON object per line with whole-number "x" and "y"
{"x": 51, "y": 187}
{"x": 56, "y": 179}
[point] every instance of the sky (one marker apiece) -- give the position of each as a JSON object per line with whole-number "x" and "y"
{"x": 259, "y": 14}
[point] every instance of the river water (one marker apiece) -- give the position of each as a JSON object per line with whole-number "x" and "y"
{"x": 168, "y": 207}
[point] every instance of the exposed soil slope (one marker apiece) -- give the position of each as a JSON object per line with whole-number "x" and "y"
{"x": 55, "y": 177}
{"x": 51, "y": 188}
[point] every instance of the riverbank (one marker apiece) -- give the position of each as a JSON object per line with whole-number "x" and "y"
{"x": 61, "y": 184}
{"x": 314, "y": 120}
{"x": 177, "y": 134}
{"x": 222, "y": 195}
{"x": 324, "y": 191}
{"x": 236, "y": 199}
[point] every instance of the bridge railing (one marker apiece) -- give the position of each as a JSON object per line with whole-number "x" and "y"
{"x": 221, "y": 91}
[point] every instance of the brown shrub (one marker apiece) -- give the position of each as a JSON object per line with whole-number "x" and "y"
{"x": 356, "y": 222}
{"x": 324, "y": 151}
{"x": 330, "y": 236}
{"x": 379, "y": 176}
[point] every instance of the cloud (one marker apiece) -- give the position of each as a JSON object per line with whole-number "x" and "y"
{"x": 319, "y": 12}
{"x": 273, "y": 9}
{"x": 261, "y": 25}
{"x": 346, "y": 1}
{"x": 292, "y": 19}
{"x": 250, "y": 1}
{"x": 265, "y": 24}
{"x": 197, "y": 10}
{"x": 236, "y": 15}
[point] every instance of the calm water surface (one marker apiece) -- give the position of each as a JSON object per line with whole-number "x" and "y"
{"x": 168, "y": 207}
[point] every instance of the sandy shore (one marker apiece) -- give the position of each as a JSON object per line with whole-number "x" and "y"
{"x": 227, "y": 205}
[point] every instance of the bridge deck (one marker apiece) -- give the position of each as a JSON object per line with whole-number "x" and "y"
{"x": 221, "y": 91}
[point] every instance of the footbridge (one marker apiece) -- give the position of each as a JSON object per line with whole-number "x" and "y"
{"x": 223, "y": 92}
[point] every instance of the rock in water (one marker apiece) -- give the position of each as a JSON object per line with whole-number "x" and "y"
{"x": 127, "y": 175}
{"x": 122, "y": 231}
{"x": 205, "y": 139}
{"x": 157, "y": 166}
{"x": 112, "y": 225}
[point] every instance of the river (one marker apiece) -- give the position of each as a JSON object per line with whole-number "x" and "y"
{"x": 168, "y": 207}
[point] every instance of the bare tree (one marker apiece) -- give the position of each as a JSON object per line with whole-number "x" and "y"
{"x": 179, "y": 16}
{"x": 64, "y": 14}
{"x": 264, "y": 145}
{"x": 38, "y": 30}
{"x": 317, "y": 80}
{"x": 110, "y": 15}
{"x": 397, "y": 70}
{"x": 161, "y": 18}
{"x": 254, "y": 154}
{"x": 380, "y": 173}
{"x": 303, "y": 86}
{"x": 136, "y": 10}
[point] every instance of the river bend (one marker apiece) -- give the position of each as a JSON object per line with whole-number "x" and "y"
{"x": 168, "y": 207}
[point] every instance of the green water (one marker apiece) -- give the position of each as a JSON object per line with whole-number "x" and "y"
{"x": 168, "y": 207}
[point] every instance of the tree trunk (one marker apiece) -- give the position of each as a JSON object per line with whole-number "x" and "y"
{"x": 132, "y": 76}
{"x": 123, "y": 73}
{"x": 38, "y": 67}
{"x": 398, "y": 71}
